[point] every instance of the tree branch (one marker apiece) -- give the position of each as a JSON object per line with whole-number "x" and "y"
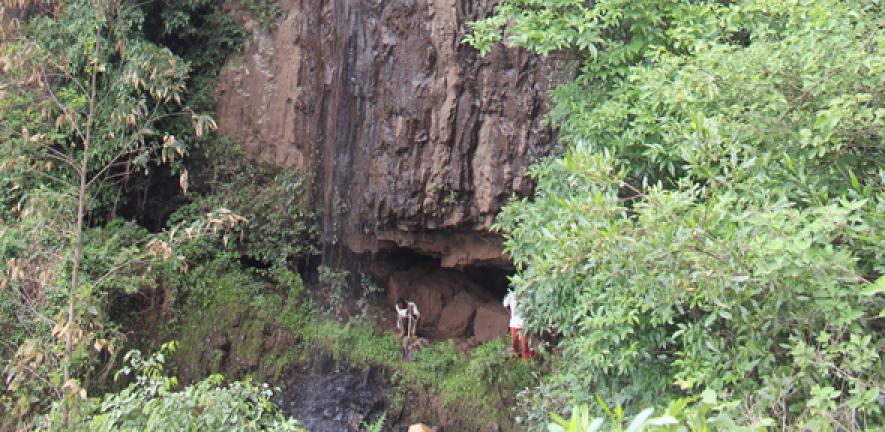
{"x": 61, "y": 157}
{"x": 111, "y": 164}
{"x": 61, "y": 106}
{"x": 54, "y": 178}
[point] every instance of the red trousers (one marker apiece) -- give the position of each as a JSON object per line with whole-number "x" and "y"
{"x": 520, "y": 344}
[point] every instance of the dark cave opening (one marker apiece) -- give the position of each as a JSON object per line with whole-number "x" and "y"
{"x": 464, "y": 303}
{"x": 496, "y": 280}
{"x": 491, "y": 279}
{"x": 151, "y": 200}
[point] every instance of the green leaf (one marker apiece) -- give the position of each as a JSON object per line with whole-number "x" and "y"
{"x": 874, "y": 288}
{"x": 708, "y": 396}
{"x": 665, "y": 420}
{"x": 603, "y": 405}
{"x": 855, "y": 184}
{"x": 639, "y": 421}
{"x": 595, "y": 425}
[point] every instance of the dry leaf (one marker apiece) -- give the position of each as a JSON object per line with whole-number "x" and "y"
{"x": 182, "y": 182}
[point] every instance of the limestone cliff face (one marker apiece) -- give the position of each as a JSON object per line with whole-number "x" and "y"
{"x": 411, "y": 138}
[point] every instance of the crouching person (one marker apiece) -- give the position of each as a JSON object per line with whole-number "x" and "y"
{"x": 407, "y": 316}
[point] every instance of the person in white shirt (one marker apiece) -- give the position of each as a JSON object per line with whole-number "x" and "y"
{"x": 407, "y": 315}
{"x": 517, "y": 334}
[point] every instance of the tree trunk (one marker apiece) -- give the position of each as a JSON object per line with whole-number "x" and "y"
{"x": 75, "y": 279}
{"x": 78, "y": 232}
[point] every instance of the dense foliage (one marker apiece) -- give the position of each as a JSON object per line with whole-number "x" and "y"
{"x": 98, "y": 114}
{"x": 152, "y": 402}
{"x": 716, "y": 217}
{"x": 279, "y": 225}
{"x": 700, "y": 413}
{"x": 85, "y": 93}
{"x": 708, "y": 240}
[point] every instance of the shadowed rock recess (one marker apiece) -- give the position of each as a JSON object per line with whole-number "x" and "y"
{"x": 410, "y": 139}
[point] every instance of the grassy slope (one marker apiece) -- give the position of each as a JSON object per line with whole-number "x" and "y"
{"x": 260, "y": 324}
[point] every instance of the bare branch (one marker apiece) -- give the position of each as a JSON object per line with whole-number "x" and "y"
{"x": 111, "y": 164}
{"x": 68, "y": 77}
{"x": 61, "y": 157}
{"x": 118, "y": 179}
{"x": 54, "y": 178}
{"x": 113, "y": 270}
{"x": 63, "y": 110}
{"x": 171, "y": 114}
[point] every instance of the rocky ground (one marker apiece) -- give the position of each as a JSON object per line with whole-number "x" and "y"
{"x": 332, "y": 397}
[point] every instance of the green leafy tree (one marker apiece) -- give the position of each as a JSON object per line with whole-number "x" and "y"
{"x": 86, "y": 92}
{"x": 715, "y": 219}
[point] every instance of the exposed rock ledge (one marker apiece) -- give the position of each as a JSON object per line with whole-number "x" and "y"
{"x": 411, "y": 138}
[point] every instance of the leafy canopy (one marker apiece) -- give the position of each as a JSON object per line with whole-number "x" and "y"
{"x": 83, "y": 100}
{"x": 715, "y": 219}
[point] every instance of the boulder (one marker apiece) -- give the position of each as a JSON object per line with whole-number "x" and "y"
{"x": 432, "y": 288}
{"x": 417, "y": 285}
{"x": 448, "y": 299}
{"x": 420, "y": 427}
{"x": 491, "y": 321}
{"x": 492, "y": 427}
{"x": 430, "y": 303}
{"x": 457, "y": 315}
{"x": 399, "y": 284}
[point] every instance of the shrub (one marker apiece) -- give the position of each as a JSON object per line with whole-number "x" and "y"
{"x": 278, "y": 227}
{"x": 152, "y": 402}
{"x": 687, "y": 414}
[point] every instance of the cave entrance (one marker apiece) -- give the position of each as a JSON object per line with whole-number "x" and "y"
{"x": 491, "y": 281}
{"x": 494, "y": 279}
{"x": 461, "y": 303}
